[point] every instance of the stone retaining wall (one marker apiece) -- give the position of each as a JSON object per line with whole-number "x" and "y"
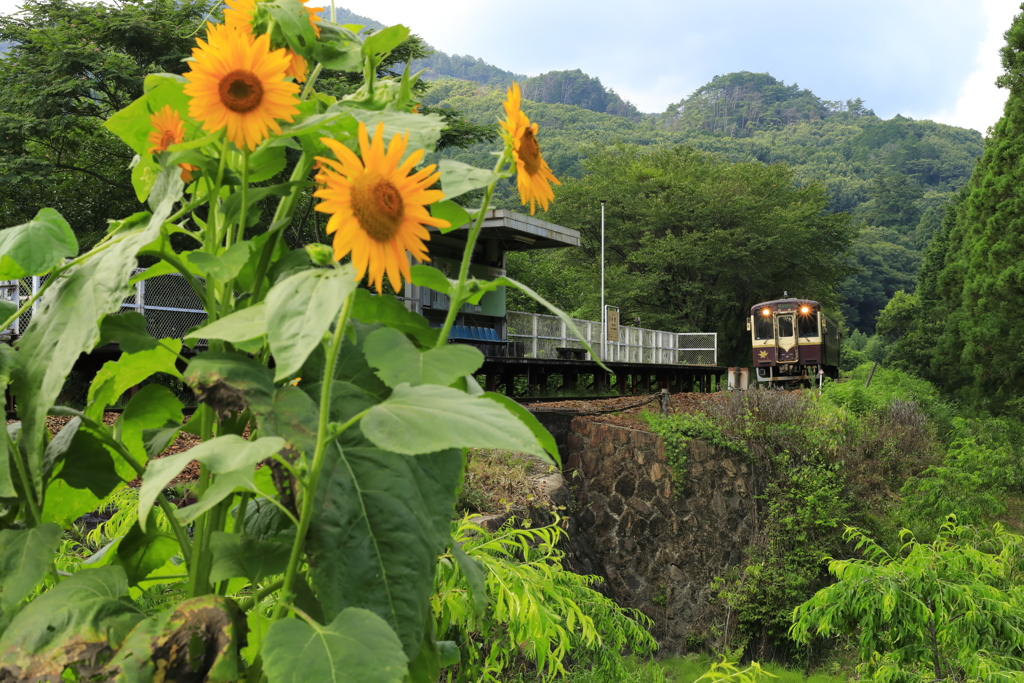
{"x": 658, "y": 551}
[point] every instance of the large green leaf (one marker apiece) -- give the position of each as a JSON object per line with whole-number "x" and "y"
{"x": 141, "y": 553}
{"x": 230, "y": 383}
{"x": 368, "y": 309}
{"x": 35, "y": 247}
{"x": 456, "y": 216}
{"x": 356, "y": 647}
{"x": 128, "y": 330}
{"x": 429, "y": 417}
{"x": 197, "y": 640}
{"x": 424, "y": 130}
{"x": 153, "y": 407}
{"x": 398, "y": 361}
{"x": 230, "y": 458}
{"x": 66, "y": 323}
{"x": 294, "y": 418}
{"x": 338, "y": 49}
{"x": 240, "y": 326}
{"x": 26, "y": 557}
{"x": 300, "y": 310}
{"x": 458, "y": 178}
{"x": 77, "y": 622}
{"x": 428, "y": 276}
{"x": 380, "y": 522}
{"x": 84, "y": 472}
{"x": 236, "y": 555}
{"x": 117, "y": 377}
{"x": 385, "y": 40}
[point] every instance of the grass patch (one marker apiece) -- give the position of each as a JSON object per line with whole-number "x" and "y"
{"x": 498, "y": 481}
{"x": 691, "y": 667}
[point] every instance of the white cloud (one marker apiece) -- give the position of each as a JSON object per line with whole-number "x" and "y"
{"x": 980, "y": 103}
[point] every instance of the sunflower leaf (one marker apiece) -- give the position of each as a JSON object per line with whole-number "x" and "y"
{"x": 449, "y": 211}
{"x": 240, "y": 326}
{"x": 458, "y": 178}
{"x": 35, "y": 247}
{"x": 300, "y": 310}
{"x": 429, "y": 418}
{"x": 424, "y": 130}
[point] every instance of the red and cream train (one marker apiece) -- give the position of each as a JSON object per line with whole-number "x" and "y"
{"x": 793, "y": 341}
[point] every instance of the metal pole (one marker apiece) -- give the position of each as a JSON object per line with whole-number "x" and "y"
{"x": 604, "y": 315}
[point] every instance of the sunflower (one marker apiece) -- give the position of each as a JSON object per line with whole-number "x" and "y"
{"x": 297, "y": 67}
{"x": 238, "y": 82}
{"x": 169, "y": 129}
{"x": 534, "y": 177}
{"x": 378, "y": 206}
{"x": 238, "y": 14}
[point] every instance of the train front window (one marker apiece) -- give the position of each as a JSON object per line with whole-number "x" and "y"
{"x": 764, "y": 328}
{"x": 808, "y": 325}
{"x": 785, "y": 323}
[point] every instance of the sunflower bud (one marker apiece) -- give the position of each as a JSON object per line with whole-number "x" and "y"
{"x": 320, "y": 254}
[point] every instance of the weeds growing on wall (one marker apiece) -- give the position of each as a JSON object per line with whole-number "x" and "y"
{"x": 676, "y": 431}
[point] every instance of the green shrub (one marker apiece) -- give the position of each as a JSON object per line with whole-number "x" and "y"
{"x": 538, "y": 616}
{"x": 943, "y": 611}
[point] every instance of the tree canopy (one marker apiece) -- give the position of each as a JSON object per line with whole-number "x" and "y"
{"x": 692, "y": 240}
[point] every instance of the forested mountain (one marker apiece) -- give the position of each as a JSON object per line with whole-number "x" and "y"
{"x": 894, "y": 176}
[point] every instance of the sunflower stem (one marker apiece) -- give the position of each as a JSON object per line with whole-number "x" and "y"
{"x": 282, "y": 217}
{"x": 245, "y": 196}
{"x": 460, "y": 287}
{"x": 309, "y": 492}
{"x": 310, "y": 81}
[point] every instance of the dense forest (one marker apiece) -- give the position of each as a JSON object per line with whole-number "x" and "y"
{"x": 894, "y": 177}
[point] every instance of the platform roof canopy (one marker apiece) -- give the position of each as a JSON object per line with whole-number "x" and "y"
{"x": 514, "y": 231}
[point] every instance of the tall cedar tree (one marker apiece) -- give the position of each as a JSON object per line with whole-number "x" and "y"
{"x": 982, "y": 281}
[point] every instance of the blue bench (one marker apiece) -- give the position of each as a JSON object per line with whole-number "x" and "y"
{"x": 484, "y": 338}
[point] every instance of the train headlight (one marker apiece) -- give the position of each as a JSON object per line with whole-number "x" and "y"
{"x": 805, "y": 310}
{"x": 765, "y": 311}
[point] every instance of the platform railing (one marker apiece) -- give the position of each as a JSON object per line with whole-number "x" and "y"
{"x": 546, "y": 336}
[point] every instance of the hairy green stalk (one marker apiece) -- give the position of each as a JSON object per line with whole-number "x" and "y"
{"x": 318, "y": 457}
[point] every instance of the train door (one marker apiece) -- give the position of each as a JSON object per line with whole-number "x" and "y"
{"x": 785, "y": 338}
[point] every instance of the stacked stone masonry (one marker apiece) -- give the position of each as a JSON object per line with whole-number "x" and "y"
{"x": 658, "y": 551}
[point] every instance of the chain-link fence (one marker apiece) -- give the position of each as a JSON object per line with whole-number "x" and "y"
{"x": 168, "y": 302}
{"x": 546, "y": 336}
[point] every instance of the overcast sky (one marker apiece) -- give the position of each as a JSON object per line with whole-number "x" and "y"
{"x": 934, "y": 59}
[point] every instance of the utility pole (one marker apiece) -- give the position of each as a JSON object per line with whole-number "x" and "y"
{"x": 604, "y": 315}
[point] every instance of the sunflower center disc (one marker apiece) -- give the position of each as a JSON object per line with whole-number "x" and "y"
{"x": 378, "y": 205}
{"x": 241, "y": 91}
{"x": 529, "y": 152}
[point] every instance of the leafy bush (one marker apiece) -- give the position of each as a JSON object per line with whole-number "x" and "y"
{"x": 538, "y": 617}
{"x": 982, "y": 465}
{"x": 943, "y": 611}
{"x": 888, "y": 385}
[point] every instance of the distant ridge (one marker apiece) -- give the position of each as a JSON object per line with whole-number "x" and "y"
{"x": 554, "y": 87}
